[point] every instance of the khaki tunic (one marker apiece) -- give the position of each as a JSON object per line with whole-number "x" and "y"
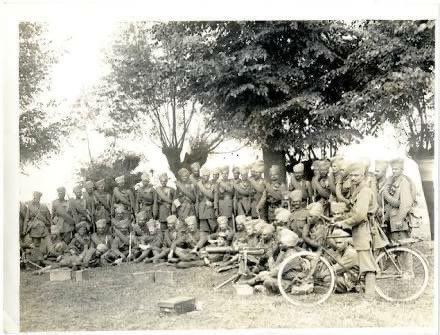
{"x": 223, "y": 198}
{"x": 164, "y": 205}
{"x": 145, "y": 201}
{"x": 37, "y": 220}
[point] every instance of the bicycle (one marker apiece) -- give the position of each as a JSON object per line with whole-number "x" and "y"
{"x": 308, "y": 278}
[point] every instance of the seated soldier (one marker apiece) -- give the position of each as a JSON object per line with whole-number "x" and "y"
{"x": 96, "y": 256}
{"x": 347, "y": 266}
{"x": 140, "y": 228}
{"x": 175, "y": 228}
{"x": 252, "y": 238}
{"x": 81, "y": 239}
{"x": 123, "y": 243}
{"x": 299, "y": 214}
{"x": 223, "y": 227}
{"x": 240, "y": 234}
{"x": 314, "y": 229}
{"x": 101, "y": 236}
{"x": 288, "y": 246}
{"x": 151, "y": 244}
{"x": 187, "y": 245}
{"x": 57, "y": 245}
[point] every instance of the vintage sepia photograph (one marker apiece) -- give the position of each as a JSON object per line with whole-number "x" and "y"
{"x": 226, "y": 174}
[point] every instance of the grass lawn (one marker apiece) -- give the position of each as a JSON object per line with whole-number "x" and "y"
{"x": 114, "y": 299}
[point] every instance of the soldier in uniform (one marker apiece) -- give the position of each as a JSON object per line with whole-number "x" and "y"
{"x": 123, "y": 243}
{"x": 380, "y": 170}
{"x": 81, "y": 241}
{"x": 240, "y": 234}
{"x": 146, "y": 197}
{"x": 297, "y": 182}
{"x": 89, "y": 199}
{"x": 77, "y": 207}
{"x": 364, "y": 204}
{"x": 186, "y": 196}
{"x": 102, "y": 202}
{"x": 205, "y": 201}
{"x": 235, "y": 174}
{"x": 334, "y": 172}
{"x": 224, "y": 228}
{"x": 242, "y": 194}
{"x": 164, "y": 201}
{"x": 298, "y": 216}
{"x": 195, "y": 173}
{"x": 171, "y": 234}
{"x": 215, "y": 176}
{"x": 273, "y": 194}
{"x": 61, "y": 216}
{"x": 257, "y": 190}
{"x": 122, "y": 195}
{"x": 101, "y": 236}
{"x": 343, "y": 183}
{"x": 223, "y": 197}
{"x": 37, "y": 221}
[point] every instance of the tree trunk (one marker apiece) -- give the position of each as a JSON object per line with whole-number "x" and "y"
{"x": 175, "y": 164}
{"x": 272, "y": 157}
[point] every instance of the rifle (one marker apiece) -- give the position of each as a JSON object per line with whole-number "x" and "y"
{"x": 243, "y": 253}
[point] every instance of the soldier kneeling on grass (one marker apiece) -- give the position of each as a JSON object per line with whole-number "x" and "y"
{"x": 288, "y": 241}
{"x": 151, "y": 244}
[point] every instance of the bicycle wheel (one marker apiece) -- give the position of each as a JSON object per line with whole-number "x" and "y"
{"x": 306, "y": 279}
{"x": 397, "y": 282}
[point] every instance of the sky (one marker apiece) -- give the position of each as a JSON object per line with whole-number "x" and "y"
{"x": 79, "y": 68}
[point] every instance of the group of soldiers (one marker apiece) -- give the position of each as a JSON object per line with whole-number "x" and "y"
{"x": 208, "y": 208}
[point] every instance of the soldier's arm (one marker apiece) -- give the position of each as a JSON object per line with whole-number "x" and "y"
{"x": 136, "y": 202}
{"x": 359, "y": 212}
{"x": 306, "y": 235}
{"x": 406, "y": 199}
{"x": 262, "y": 201}
{"x": 202, "y": 241}
{"x": 155, "y": 205}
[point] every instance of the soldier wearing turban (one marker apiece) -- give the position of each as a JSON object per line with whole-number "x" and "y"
{"x": 297, "y": 182}
{"x": 257, "y": 190}
{"x": 223, "y": 196}
{"x": 164, "y": 201}
{"x": 184, "y": 203}
{"x": 242, "y": 197}
{"x": 205, "y": 201}
{"x": 273, "y": 194}
{"x": 62, "y": 216}
{"x": 146, "y": 197}
{"x": 123, "y": 195}
{"x": 102, "y": 202}
{"x": 37, "y": 221}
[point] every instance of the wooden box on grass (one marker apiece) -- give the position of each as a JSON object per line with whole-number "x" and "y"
{"x": 177, "y": 305}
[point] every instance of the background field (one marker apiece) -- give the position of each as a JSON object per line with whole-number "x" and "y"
{"x": 114, "y": 299}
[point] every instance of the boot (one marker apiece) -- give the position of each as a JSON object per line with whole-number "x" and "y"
{"x": 370, "y": 285}
{"x": 406, "y": 260}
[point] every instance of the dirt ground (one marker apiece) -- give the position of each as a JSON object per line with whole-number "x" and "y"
{"x": 115, "y": 299}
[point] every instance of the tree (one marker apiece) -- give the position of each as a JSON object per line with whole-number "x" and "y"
{"x": 145, "y": 92}
{"x": 39, "y": 135}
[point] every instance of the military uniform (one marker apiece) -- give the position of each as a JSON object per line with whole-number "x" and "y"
{"x": 123, "y": 197}
{"x": 273, "y": 195}
{"x": 186, "y": 197}
{"x": 301, "y": 184}
{"x": 242, "y": 194}
{"x": 37, "y": 220}
{"x": 103, "y": 201}
{"x": 145, "y": 200}
{"x": 257, "y": 190}
{"x": 224, "y": 197}
{"x": 164, "y": 203}
{"x": 205, "y": 201}
{"x": 62, "y": 218}
{"x": 79, "y": 243}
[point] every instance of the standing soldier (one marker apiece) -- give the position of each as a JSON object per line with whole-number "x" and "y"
{"x": 207, "y": 222}
{"x": 122, "y": 195}
{"x": 164, "y": 201}
{"x": 146, "y": 197}
{"x": 257, "y": 189}
{"x": 102, "y": 202}
{"x": 343, "y": 183}
{"x": 195, "y": 173}
{"x": 236, "y": 174}
{"x": 297, "y": 182}
{"x": 223, "y": 197}
{"x": 89, "y": 199}
{"x": 273, "y": 194}
{"x": 364, "y": 205}
{"x": 37, "y": 221}
{"x": 380, "y": 170}
{"x": 400, "y": 195}
{"x": 215, "y": 176}
{"x": 78, "y": 208}
{"x": 61, "y": 217}
{"x": 298, "y": 217}
{"x": 185, "y": 201}
{"x": 242, "y": 196}
{"x": 334, "y": 173}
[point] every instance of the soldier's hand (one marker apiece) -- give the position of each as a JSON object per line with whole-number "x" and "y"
{"x": 170, "y": 255}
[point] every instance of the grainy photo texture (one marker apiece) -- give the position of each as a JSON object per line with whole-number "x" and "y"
{"x": 226, "y": 175}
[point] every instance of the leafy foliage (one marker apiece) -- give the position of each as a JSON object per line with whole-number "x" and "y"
{"x": 39, "y": 135}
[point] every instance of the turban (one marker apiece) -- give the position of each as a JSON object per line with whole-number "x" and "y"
{"x": 298, "y": 167}
{"x": 357, "y": 166}
{"x": 325, "y": 165}
{"x": 82, "y": 224}
{"x": 60, "y": 247}
{"x": 55, "y": 229}
{"x": 244, "y": 170}
{"x": 216, "y": 170}
{"x": 240, "y": 219}
{"x": 183, "y": 172}
{"x": 145, "y": 175}
{"x": 119, "y": 208}
{"x": 163, "y": 176}
{"x": 77, "y": 189}
{"x": 101, "y": 223}
{"x": 122, "y": 224}
{"x": 102, "y": 248}
{"x": 397, "y": 163}
{"x": 224, "y": 169}
{"x": 195, "y": 165}
{"x": 282, "y": 214}
{"x": 38, "y": 194}
{"x": 337, "y": 207}
{"x": 316, "y": 165}
{"x": 120, "y": 179}
{"x": 259, "y": 225}
{"x": 235, "y": 169}
{"x": 267, "y": 229}
{"x": 191, "y": 220}
{"x": 222, "y": 234}
{"x": 275, "y": 169}
{"x": 288, "y": 237}
{"x": 89, "y": 184}
{"x": 296, "y": 195}
{"x": 258, "y": 166}
{"x": 380, "y": 164}
{"x": 100, "y": 183}
{"x": 205, "y": 172}
{"x": 172, "y": 219}
{"x": 61, "y": 189}
{"x": 339, "y": 233}
{"x": 315, "y": 209}
{"x": 222, "y": 219}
